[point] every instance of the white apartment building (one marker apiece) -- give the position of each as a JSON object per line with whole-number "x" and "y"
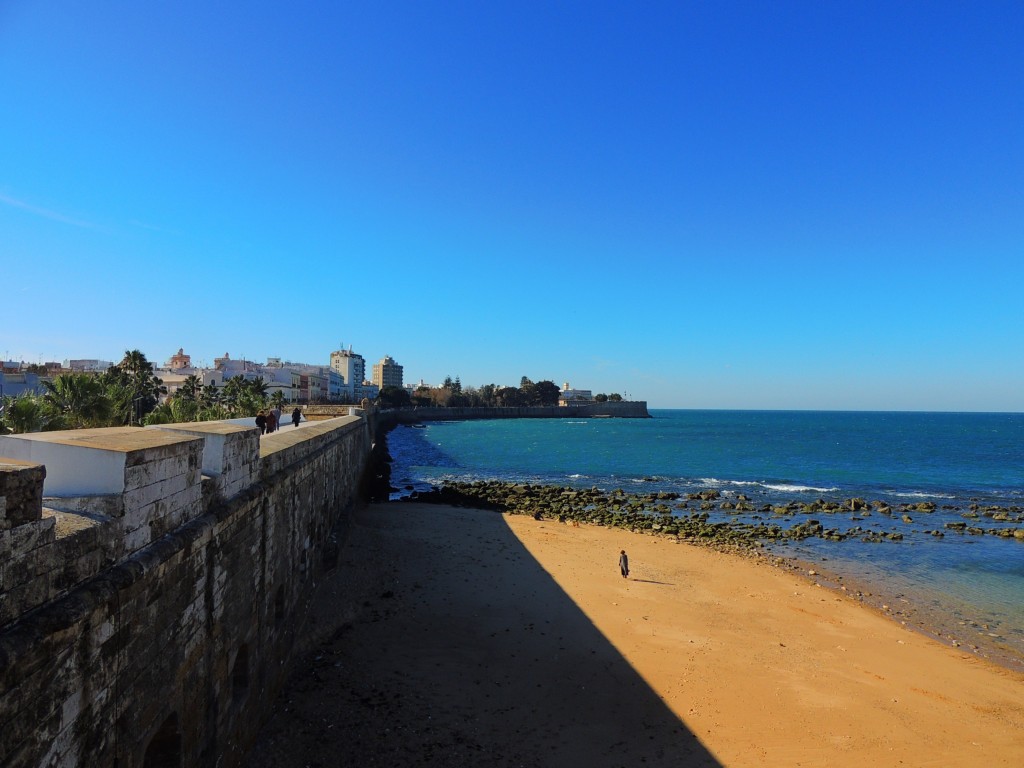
{"x": 350, "y": 365}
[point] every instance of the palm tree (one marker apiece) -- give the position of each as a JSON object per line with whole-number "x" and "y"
{"x": 210, "y": 395}
{"x": 232, "y": 393}
{"x": 135, "y": 363}
{"x": 162, "y": 414}
{"x": 25, "y": 413}
{"x": 190, "y": 388}
{"x": 134, "y": 387}
{"x": 75, "y": 401}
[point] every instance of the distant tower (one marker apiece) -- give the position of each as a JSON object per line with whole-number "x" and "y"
{"x": 180, "y": 360}
{"x": 387, "y": 373}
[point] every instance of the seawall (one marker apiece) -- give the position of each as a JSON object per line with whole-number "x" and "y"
{"x": 636, "y": 409}
{"x": 153, "y": 581}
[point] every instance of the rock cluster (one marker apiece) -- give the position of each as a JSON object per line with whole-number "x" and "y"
{"x": 688, "y": 516}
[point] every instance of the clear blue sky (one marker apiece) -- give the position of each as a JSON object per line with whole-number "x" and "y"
{"x": 700, "y": 204}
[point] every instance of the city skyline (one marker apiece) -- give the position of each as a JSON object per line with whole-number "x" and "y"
{"x": 793, "y": 206}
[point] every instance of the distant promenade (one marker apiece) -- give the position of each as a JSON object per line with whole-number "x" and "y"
{"x": 636, "y": 409}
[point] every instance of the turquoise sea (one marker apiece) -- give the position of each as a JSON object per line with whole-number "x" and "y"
{"x": 961, "y": 587}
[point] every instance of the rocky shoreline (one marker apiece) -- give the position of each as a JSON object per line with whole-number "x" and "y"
{"x": 688, "y": 516}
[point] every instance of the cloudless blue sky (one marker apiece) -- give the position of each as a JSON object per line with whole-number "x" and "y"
{"x": 700, "y": 204}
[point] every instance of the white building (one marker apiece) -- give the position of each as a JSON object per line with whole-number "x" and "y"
{"x": 350, "y": 365}
{"x": 570, "y": 396}
{"x": 284, "y": 380}
{"x": 88, "y": 366}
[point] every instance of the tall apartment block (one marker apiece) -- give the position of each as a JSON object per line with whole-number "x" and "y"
{"x": 387, "y": 373}
{"x": 350, "y": 365}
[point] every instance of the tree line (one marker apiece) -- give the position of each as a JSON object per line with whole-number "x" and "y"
{"x": 451, "y": 394}
{"x": 129, "y": 393}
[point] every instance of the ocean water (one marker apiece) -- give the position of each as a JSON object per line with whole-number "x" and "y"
{"x": 962, "y": 586}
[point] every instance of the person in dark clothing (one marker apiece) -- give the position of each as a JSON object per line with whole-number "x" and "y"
{"x": 261, "y": 422}
{"x": 296, "y": 417}
{"x": 623, "y": 564}
{"x": 271, "y": 422}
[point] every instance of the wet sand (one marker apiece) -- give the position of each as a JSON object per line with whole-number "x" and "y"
{"x": 455, "y": 637}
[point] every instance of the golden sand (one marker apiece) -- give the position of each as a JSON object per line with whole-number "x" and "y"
{"x": 487, "y": 639}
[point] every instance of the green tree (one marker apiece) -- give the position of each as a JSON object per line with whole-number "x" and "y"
{"x": 487, "y": 395}
{"x": 394, "y": 397}
{"x": 133, "y": 388}
{"x": 24, "y": 413}
{"x": 527, "y": 392}
{"x": 547, "y": 392}
{"x": 210, "y": 396}
{"x": 191, "y": 388}
{"x": 76, "y": 401}
{"x": 601, "y": 398}
{"x": 244, "y": 397}
{"x": 278, "y": 399}
{"x": 509, "y": 397}
{"x": 615, "y": 397}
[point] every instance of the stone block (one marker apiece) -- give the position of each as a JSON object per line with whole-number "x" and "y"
{"x": 154, "y": 471}
{"x": 21, "y": 486}
{"x": 137, "y": 539}
{"x": 32, "y": 535}
{"x": 161, "y": 489}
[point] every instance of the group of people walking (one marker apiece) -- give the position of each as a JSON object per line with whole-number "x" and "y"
{"x": 270, "y": 421}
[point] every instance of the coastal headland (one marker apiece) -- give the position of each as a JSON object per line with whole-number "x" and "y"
{"x": 456, "y": 636}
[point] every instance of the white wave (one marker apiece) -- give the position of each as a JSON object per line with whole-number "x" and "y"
{"x": 920, "y": 495}
{"x": 578, "y": 476}
{"x": 785, "y": 488}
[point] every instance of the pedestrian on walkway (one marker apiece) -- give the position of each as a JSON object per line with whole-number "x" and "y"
{"x": 261, "y": 422}
{"x": 271, "y": 422}
{"x": 296, "y": 417}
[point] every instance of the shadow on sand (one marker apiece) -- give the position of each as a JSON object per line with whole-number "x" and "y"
{"x": 440, "y": 641}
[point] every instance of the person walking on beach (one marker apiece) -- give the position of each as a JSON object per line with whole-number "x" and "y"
{"x": 296, "y": 417}
{"x": 623, "y": 564}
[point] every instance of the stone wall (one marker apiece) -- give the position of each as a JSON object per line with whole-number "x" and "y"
{"x": 153, "y": 624}
{"x": 634, "y": 409}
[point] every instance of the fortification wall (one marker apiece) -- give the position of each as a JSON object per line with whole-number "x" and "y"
{"x": 152, "y": 582}
{"x": 635, "y": 409}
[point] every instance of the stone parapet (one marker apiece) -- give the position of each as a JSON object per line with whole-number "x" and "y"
{"x": 230, "y": 453}
{"x": 148, "y": 614}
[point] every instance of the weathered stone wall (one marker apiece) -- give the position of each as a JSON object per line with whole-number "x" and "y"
{"x": 170, "y": 614}
{"x": 21, "y": 491}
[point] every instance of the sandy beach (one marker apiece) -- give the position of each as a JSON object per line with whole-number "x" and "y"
{"x": 456, "y": 637}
